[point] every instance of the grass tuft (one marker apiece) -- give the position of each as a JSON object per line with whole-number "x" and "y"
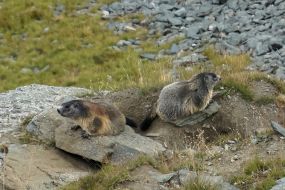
{"x": 232, "y": 68}
{"x": 199, "y": 184}
{"x": 107, "y": 178}
{"x": 260, "y": 174}
{"x": 264, "y": 100}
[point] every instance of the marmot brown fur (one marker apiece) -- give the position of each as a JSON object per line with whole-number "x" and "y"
{"x": 181, "y": 99}
{"x": 3, "y": 148}
{"x": 95, "y": 118}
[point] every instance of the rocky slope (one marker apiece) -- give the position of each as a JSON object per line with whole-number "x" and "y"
{"x": 248, "y": 126}
{"x": 235, "y": 26}
{"x": 49, "y": 168}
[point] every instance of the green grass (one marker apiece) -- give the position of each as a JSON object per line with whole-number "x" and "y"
{"x": 260, "y": 174}
{"x": 232, "y": 69}
{"x": 265, "y": 100}
{"x": 76, "y": 50}
{"x": 199, "y": 184}
{"x": 105, "y": 179}
{"x": 112, "y": 175}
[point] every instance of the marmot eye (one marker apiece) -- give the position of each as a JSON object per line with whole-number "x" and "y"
{"x": 66, "y": 106}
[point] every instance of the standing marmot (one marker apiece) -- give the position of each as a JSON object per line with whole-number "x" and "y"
{"x": 181, "y": 99}
{"x": 95, "y": 118}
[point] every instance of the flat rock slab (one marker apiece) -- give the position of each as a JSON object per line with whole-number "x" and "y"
{"x": 34, "y": 167}
{"x": 278, "y": 128}
{"x": 199, "y": 116}
{"x": 43, "y": 125}
{"x": 103, "y": 149}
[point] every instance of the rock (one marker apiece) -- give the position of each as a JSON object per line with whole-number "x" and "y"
{"x": 59, "y": 9}
{"x": 180, "y": 12}
{"x": 224, "y": 47}
{"x": 143, "y": 179}
{"x": 186, "y": 176}
{"x": 190, "y": 59}
{"x": 105, "y": 14}
{"x": 213, "y": 27}
{"x": 219, "y": 2}
{"x": 116, "y": 149}
{"x": 16, "y": 105}
{"x": 149, "y": 56}
{"x": 234, "y": 38}
{"x": 175, "y": 21}
{"x": 278, "y": 128}
{"x": 204, "y": 10}
{"x": 149, "y": 176}
{"x": 174, "y": 49}
{"x": 168, "y": 38}
{"x": 43, "y": 125}
{"x": 166, "y": 7}
{"x": 192, "y": 32}
{"x": 26, "y": 70}
{"x": 280, "y": 73}
{"x": 35, "y": 167}
{"x": 122, "y": 43}
{"x": 252, "y": 43}
{"x": 233, "y": 4}
{"x": 280, "y": 184}
{"x": 119, "y": 28}
{"x": 261, "y": 48}
{"x": 199, "y": 116}
{"x": 162, "y": 178}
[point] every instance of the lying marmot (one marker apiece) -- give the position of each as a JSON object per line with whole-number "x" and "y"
{"x": 181, "y": 99}
{"x": 95, "y": 118}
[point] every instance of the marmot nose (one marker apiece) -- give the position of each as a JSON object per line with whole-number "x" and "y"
{"x": 58, "y": 110}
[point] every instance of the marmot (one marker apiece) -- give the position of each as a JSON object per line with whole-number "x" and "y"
{"x": 3, "y": 148}
{"x": 181, "y": 99}
{"x": 95, "y": 118}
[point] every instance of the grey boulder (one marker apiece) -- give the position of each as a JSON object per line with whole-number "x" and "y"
{"x": 116, "y": 149}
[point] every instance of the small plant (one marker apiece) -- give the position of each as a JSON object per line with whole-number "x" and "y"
{"x": 200, "y": 184}
{"x": 264, "y": 100}
{"x": 260, "y": 174}
{"x": 107, "y": 178}
{"x": 26, "y": 120}
{"x": 254, "y": 166}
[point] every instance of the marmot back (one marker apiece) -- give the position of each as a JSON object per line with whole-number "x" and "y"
{"x": 96, "y": 118}
{"x": 181, "y": 99}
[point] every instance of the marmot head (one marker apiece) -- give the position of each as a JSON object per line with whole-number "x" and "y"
{"x": 209, "y": 79}
{"x": 73, "y": 109}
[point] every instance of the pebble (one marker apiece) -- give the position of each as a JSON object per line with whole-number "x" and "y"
{"x": 227, "y": 147}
